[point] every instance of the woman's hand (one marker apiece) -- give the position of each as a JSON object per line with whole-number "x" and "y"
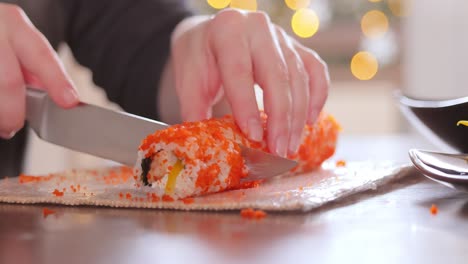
{"x": 26, "y": 58}
{"x": 230, "y": 52}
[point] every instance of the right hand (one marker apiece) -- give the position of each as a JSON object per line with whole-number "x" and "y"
{"x": 26, "y": 58}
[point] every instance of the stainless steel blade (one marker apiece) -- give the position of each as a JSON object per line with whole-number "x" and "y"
{"x": 116, "y": 135}
{"x": 90, "y": 129}
{"x": 264, "y": 165}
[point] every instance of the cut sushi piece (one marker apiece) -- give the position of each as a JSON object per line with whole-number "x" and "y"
{"x": 192, "y": 159}
{"x": 196, "y": 158}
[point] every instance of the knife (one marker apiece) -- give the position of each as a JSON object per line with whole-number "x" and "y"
{"x": 116, "y": 135}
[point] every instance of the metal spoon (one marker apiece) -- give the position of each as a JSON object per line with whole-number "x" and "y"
{"x": 448, "y": 169}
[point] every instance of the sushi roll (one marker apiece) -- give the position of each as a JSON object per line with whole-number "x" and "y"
{"x": 192, "y": 159}
{"x": 197, "y": 158}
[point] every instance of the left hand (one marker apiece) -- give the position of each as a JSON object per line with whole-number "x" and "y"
{"x": 230, "y": 52}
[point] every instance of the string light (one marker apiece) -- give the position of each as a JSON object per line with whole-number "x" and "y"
{"x": 218, "y": 4}
{"x": 364, "y": 65}
{"x": 250, "y": 5}
{"x": 374, "y": 24}
{"x": 305, "y": 23}
{"x": 297, "y": 4}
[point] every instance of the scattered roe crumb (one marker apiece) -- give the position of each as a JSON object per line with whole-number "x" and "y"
{"x": 46, "y": 212}
{"x": 128, "y": 196}
{"x": 121, "y": 195}
{"x": 434, "y": 209}
{"x": 341, "y": 163}
{"x": 57, "y": 193}
{"x": 250, "y": 213}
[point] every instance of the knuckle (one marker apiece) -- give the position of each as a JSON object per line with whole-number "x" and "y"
{"x": 228, "y": 16}
{"x": 260, "y": 18}
{"x": 13, "y": 11}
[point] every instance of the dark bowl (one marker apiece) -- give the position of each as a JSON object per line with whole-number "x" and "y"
{"x": 437, "y": 120}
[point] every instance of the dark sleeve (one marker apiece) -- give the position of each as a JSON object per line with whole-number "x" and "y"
{"x": 125, "y": 43}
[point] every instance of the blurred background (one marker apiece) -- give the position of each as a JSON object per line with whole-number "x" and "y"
{"x": 372, "y": 47}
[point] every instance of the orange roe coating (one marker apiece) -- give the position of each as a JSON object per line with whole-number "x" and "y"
{"x": 188, "y": 200}
{"x": 434, "y": 209}
{"x": 208, "y": 177}
{"x": 167, "y": 198}
{"x": 154, "y": 198}
{"x": 57, "y": 193}
{"x": 195, "y": 133}
{"x": 340, "y": 163}
{"x": 250, "y": 213}
{"x": 23, "y": 178}
{"x": 46, "y": 212}
{"x": 317, "y": 145}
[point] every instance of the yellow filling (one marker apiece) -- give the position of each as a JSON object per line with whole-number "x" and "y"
{"x": 462, "y": 122}
{"x": 171, "y": 179}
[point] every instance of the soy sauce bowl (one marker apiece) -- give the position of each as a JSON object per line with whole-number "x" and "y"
{"x": 437, "y": 120}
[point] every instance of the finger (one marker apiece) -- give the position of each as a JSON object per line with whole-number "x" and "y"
{"x": 38, "y": 58}
{"x": 31, "y": 80}
{"x": 299, "y": 82}
{"x": 194, "y": 102}
{"x": 196, "y": 77}
{"x": 319, "y": 81}
{"x": 12, "y": 92}
{"x": 271, "y": 73}
{"x": 231, "y": 49}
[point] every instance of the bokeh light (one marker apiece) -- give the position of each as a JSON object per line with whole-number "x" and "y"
{"x": 364, "y": 65}
{"x": 374, "y": 1}
{"x": 297, "y": 4}
{"x": 374, "y": 24}
{"x": 250, "y": 5}
{"x": 305, "y": 23}
{"x": 218, "y": 4}
{"x": 397, "y": 7}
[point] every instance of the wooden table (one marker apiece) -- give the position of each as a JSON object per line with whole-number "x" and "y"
{"x": 393, "y": 225}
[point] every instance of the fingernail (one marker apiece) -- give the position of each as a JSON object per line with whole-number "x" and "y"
{"x": 294, "y": 143}
{"x": 7, "y": 135}
{"x": 255, "y": 129}
{"x": 281, "y": 146}
{"x": 70, "y": 96}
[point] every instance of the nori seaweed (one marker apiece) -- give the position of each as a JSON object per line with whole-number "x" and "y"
{"x": 145, "y": 167}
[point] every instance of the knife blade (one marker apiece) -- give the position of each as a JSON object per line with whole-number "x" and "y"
{"x": 116, "y": 135}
